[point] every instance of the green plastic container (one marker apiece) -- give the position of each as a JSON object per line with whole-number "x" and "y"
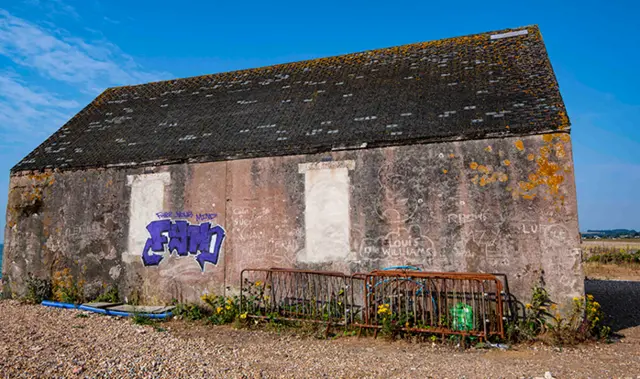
{"x": 462, "y": 315}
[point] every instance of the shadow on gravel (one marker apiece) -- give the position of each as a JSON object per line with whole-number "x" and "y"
{"x": 620, "y": 301}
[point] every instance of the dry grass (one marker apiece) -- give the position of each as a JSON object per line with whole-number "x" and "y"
{"x": 601, "y": 271}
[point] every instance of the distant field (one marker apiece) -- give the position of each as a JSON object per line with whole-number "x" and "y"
{"x": 619, "y": 243}
{"x": 591, "y": 247}
{"x": 612, "y": 252}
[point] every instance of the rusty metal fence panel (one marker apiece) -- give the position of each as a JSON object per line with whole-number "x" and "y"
{"x": 289, "y": 294}
{"x": 439, "y": 303}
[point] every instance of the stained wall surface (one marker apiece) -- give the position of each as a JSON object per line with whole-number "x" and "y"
{"x": 496, "y": 205}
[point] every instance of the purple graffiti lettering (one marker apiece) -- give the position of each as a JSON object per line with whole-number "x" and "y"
{"x": 184, "y": 239}
{"x": 212, "y": 253}
{"x": 164, "y": 214}
{"x": 178, "y": 238}
{"x": 205, "y": 216}
{"x": 184, "y": 214}
{"x": 150, "y": 259}
{"x": 156, "y": 242}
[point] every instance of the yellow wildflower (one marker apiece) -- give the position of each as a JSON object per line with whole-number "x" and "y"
{"x": 383, "y": 309}
{"x": 228, "y": 307}
{"x": 219, "y": 310}
{"x": 258, "y": 283}
{"x": 529, "y": 306}
{"x": 243, "y": 316}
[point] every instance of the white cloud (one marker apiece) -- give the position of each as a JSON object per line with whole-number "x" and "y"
{"x": 89, "y": 65}
{"x": 14, "y": 90}
{"x": 54, "y": 7}
{"x": 29, "y": 110}
{"x": 110, "y": 20}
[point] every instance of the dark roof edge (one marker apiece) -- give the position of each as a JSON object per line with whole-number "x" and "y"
{"x": 567, "y": 122}
{"x": 55, "y": 133}
{"x": 309, "y": 150}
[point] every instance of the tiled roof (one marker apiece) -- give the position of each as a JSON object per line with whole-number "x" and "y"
{"x": 485, "y": 85}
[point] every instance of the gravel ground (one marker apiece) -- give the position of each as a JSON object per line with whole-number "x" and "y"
{"x": 37, "y": 341}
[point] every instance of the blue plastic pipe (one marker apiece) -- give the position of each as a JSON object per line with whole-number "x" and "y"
{"x": 105, "y": 311}
{"x": 125, "y": 314}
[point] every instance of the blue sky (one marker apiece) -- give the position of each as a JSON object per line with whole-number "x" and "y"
{"x": 56, "y": 55}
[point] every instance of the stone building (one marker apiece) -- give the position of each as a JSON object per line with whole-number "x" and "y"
{"x": 452, "y": 155}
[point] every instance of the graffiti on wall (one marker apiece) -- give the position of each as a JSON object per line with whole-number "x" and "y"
{"x": 203, "y": 240}
{"x": 187, "y": 214}
{"x": 270, "y": 230}
{"x": 403, "y": 245}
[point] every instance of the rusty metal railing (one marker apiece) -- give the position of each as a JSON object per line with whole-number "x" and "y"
{"x": 445, "y": 303}
{"x": 289, "y": 294}
{"x": 439, "y": 303}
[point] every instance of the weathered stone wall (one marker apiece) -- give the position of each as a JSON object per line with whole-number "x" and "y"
{"x": 498, "y": 205}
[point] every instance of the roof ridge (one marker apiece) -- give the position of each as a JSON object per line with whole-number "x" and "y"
{"x": 301, "y": 62}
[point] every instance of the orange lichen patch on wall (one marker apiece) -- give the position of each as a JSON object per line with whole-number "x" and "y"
{"x": 38, "y": 182}
{"x": 452, "y": 155}
{"x": 506, "y": 162}
{"x": 548, "y": 175}
{"x": 547, "y": 137}
{"x": 28, "y": 196}
{"x": 519, "y": 145}
{"x": 488, "y": 149}
{"x": 486, "y": 175}
{"x": 444, "y": 170}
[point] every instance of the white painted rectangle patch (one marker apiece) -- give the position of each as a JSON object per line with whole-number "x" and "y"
{"x": 147, "y": 198}
{"x": 326, "y": 214}
{"x": 510, "y": 34}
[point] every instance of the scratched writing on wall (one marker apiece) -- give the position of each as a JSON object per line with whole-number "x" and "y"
{"x": 187, "y": 214}
{"x": 202, "y": 240}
